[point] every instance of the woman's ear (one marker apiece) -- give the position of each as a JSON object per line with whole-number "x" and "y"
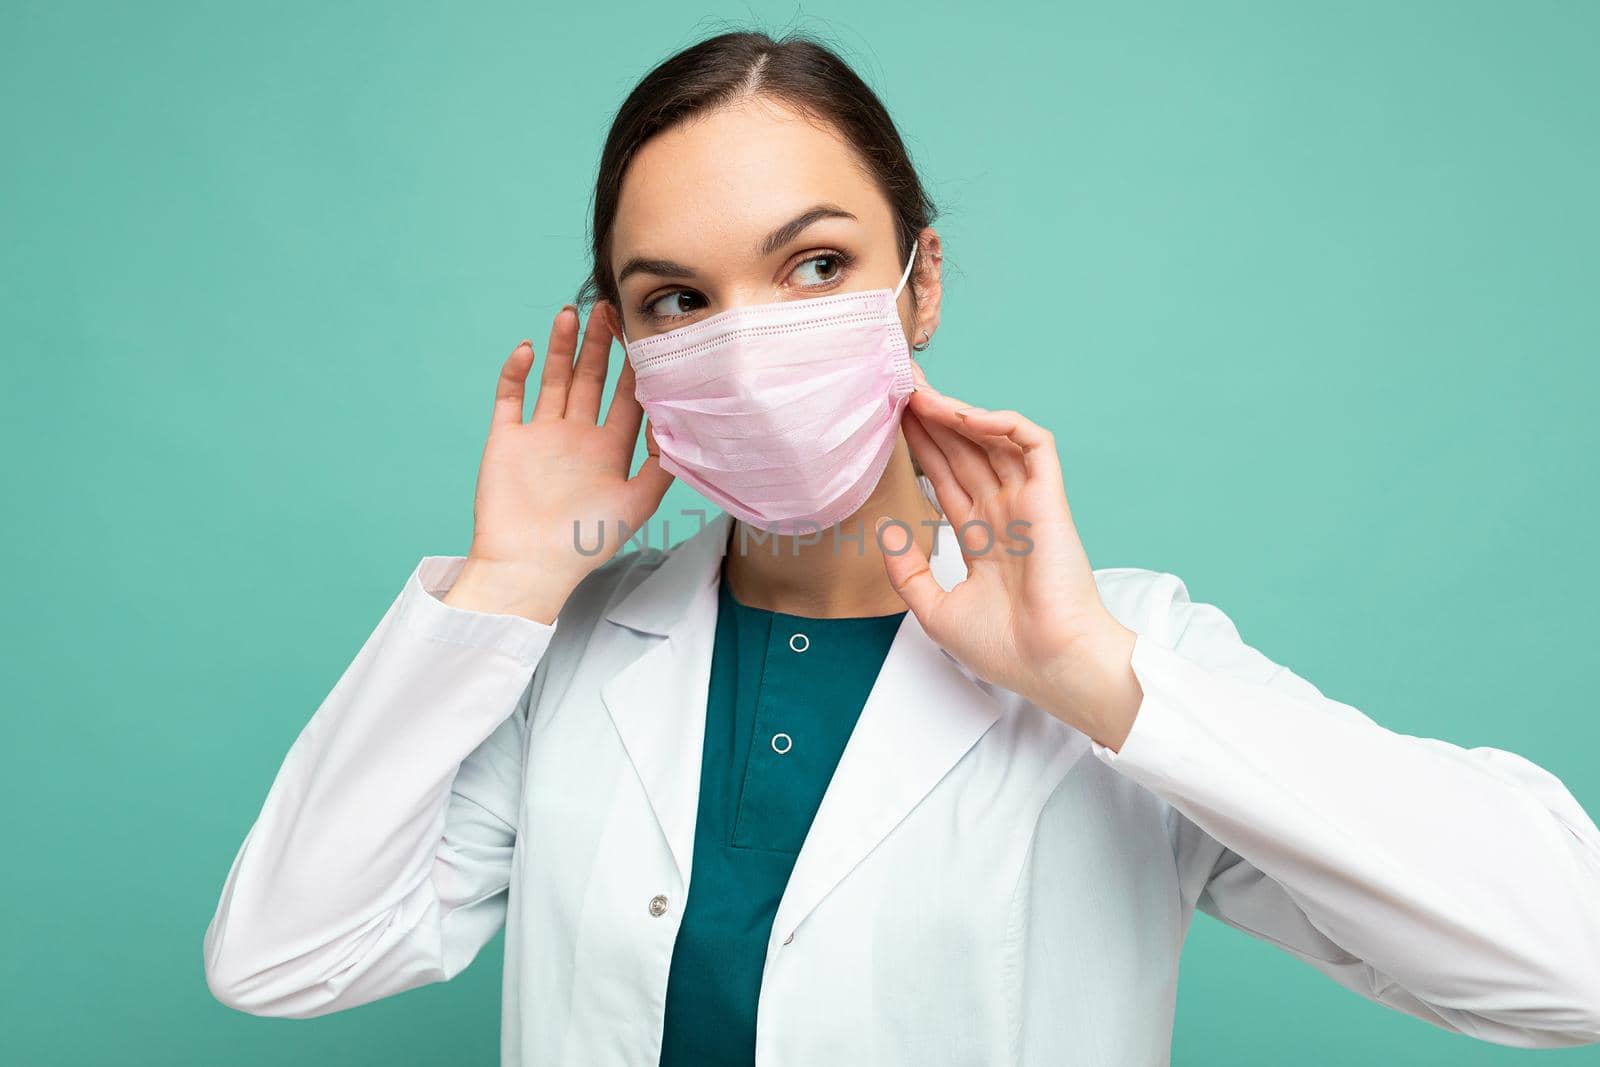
{"x": 927, "y": 281}
{"x": 611, "y": 317}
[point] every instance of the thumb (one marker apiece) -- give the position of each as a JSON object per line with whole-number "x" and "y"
{"x": 908, "y": 570}
{"x": 646, "y": 488}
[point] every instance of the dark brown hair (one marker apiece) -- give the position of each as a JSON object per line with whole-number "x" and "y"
{"x": 795, "y": 68}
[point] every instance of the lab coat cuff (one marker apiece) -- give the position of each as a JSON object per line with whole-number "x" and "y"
{"x": 1169, "y": 729}
{"x": 426, "y": 614}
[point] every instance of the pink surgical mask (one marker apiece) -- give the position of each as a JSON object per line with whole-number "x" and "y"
{"x": 783, "y": 414}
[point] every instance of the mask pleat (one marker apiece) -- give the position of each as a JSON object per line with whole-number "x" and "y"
{"x": 813, "y": 473}
{"x": 749, "y": 403}
{"x": 823, "y": 416}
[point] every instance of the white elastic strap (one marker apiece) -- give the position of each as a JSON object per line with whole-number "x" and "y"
{"x": 907, "y": 273}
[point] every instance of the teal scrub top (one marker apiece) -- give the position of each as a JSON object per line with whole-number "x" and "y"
{"x": 785, "y": 694}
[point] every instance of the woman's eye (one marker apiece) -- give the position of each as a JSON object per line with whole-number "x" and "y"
{"x": 819, "y": 270}
{"x": 672, "y": 305}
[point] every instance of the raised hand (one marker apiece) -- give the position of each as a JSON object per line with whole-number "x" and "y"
{"x": 1028, "y": 617}
{"x": 559, "y": 468}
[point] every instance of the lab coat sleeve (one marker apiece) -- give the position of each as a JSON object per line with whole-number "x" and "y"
{"x": 1459, "y": 885}
{"x": 381, "y": 857}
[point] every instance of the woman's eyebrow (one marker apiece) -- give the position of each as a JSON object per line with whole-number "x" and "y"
{"x": 664, "y": 267}
{"x": 775, "y": 240}
{"x": 791, "y": 229}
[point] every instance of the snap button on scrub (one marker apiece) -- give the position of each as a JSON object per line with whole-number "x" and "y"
{"x": 658, "y": 906}
{"x": 799, "y": 642}
{"x": 782, "y": 743}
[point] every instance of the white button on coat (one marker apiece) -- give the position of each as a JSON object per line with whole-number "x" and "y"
{"x": 1457, "y": 885}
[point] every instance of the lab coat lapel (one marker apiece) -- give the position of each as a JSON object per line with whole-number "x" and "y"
{"x": 924, "y": 712}
{"x": 658, "y": 701}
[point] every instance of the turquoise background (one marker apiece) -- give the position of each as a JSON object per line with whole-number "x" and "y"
{"x": 1307, "y": 292}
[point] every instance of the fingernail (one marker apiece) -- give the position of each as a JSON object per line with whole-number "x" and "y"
{"x": 525, "y": 343}
{"x": 969, "y": 410}
{"x": 568, "y": 307}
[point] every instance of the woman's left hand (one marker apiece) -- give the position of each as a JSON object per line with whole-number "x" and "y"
{"x": 1028, "y": 616}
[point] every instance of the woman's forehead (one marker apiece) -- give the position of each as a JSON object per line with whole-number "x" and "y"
{"x": 731, "y": 175}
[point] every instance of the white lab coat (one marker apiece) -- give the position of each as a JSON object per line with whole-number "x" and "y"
{"x": 982, "y": 885}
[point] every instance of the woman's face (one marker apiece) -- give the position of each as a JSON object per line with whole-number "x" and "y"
{"x": 747, "y": 204}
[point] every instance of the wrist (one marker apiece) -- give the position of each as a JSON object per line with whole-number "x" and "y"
{"x": 1096, "y": 690}
{"x": 499, "y": 588}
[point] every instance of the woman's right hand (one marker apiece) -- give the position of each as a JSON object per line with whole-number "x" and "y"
{"x": 544, "y": 481}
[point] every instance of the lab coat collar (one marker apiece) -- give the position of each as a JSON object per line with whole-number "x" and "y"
{"x": 924, "y": 712}
{"x": 658, "y": 701}
{"x": 656, "y": 604}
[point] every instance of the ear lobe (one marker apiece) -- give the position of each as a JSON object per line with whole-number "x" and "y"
{"x": 930, "y": 297}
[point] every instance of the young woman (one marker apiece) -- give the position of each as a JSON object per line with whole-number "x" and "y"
{"x": 811, "y": 787}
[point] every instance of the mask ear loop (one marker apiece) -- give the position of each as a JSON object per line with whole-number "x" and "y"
{"x": 903, "y": 277}
{"x": 907, "y": 272}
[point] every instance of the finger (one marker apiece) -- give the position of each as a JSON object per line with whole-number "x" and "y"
{"x": 556, "y": 377}
{"x": 938, "y": 409}
{"x": 936, "y": 406}
{"x": 1036, "y": 444}
{"x": 510, "y": 390}
{"x": 1005, "y": 455}
{"x": 589, "y": 374}
{"x": 909, "y": 572}
{"x": 650, "y": 445}
{"x": 968, "y": 461}
{"x": 645, "y": 490}
{"x": 625, "y": 412}
{"x": 936, "y": 465}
